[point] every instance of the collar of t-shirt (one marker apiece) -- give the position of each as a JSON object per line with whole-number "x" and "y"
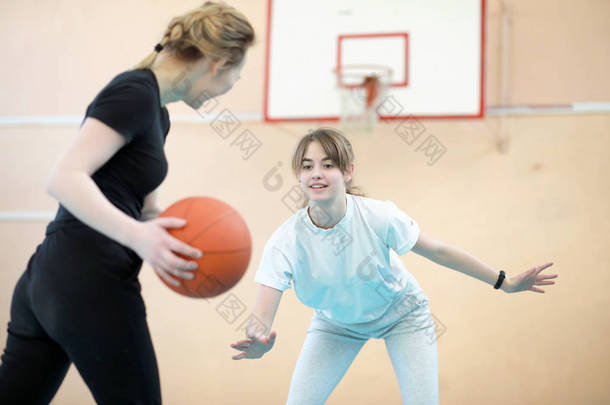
{"x": 347, "y": 218}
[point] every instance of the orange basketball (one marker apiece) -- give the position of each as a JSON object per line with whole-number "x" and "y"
{"x": 221, "y": 234}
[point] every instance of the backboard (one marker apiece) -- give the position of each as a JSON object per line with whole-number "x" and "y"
{"x": 435, "y": 49}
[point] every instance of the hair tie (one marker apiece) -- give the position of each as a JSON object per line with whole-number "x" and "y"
{"x": 158, "y": 48}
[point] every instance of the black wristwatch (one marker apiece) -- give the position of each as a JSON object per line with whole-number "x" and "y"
{"x": 500, "y": 279}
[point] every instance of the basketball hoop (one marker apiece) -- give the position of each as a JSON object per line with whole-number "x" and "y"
{"x": 361, "y": 89}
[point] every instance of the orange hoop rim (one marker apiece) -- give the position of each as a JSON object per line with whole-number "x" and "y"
{"x": 360, "y": 71}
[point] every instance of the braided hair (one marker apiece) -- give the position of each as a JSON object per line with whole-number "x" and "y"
{"x": 215, "y": 30}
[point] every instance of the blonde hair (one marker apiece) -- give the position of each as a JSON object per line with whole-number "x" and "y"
{"x": 214, "y": 30}
{"x": 335, "y": 145}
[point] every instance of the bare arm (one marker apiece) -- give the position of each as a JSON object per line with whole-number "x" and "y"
{"x": 263, "y": 314}
{"x": 71, "y": 184}
{"x": 457, "y": 259}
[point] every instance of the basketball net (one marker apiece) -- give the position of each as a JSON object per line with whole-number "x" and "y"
{"x": 360, "y": 94}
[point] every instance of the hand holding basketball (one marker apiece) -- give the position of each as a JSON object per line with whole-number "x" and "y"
{"x": 220, "y": 233}
{"x": 155, "y": 245}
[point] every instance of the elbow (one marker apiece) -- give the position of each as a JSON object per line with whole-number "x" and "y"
{"x": 53, "y": 184}
{"x": 62, "y": 182}
{"x": 50, "y": 187}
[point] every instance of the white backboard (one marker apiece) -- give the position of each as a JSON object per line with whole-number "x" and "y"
{"x": 435, "y": 49}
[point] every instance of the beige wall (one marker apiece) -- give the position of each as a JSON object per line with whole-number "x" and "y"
{"x": 61, "y": 53}
{"x": 58, "y": 54}
{"x": 557, "y": 51}
{"x": 544, "y": 200}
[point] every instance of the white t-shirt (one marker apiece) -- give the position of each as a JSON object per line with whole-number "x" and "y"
{"x": 350, "y": 272}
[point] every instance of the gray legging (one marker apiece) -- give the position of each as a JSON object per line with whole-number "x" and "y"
{"x": 329, "y": 349}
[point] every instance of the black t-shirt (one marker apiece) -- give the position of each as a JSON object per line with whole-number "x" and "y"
{"x": 131, "y": 105}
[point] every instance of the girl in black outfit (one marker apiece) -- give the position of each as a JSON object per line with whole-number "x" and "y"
{"x": 79, "y": 298}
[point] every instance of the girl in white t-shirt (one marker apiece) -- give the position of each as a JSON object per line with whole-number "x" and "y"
{"x": 341, "y": 254}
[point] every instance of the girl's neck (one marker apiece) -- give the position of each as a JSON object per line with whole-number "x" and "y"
{"x": 174, "y": 78}
{"x": 327, "y": 214}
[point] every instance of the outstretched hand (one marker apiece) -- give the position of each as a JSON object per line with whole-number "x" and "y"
{"x": 254, "y": 348}
{"x": 529, "y": 279}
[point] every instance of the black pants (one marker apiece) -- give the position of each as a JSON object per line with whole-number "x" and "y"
{"x": 79, "y": 301}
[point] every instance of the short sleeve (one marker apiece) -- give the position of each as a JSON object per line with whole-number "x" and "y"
{"x": 275, "y": 269}
{"x": 402, "y": 231}
{"x": 127, "y": 107}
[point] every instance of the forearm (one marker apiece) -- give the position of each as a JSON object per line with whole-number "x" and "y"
{"x": 79, "y": 194}
{"x": 264, "y": 311}
{"x": 457, "y": 259}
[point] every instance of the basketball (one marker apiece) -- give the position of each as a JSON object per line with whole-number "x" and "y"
{"x": 218, "y": 230}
